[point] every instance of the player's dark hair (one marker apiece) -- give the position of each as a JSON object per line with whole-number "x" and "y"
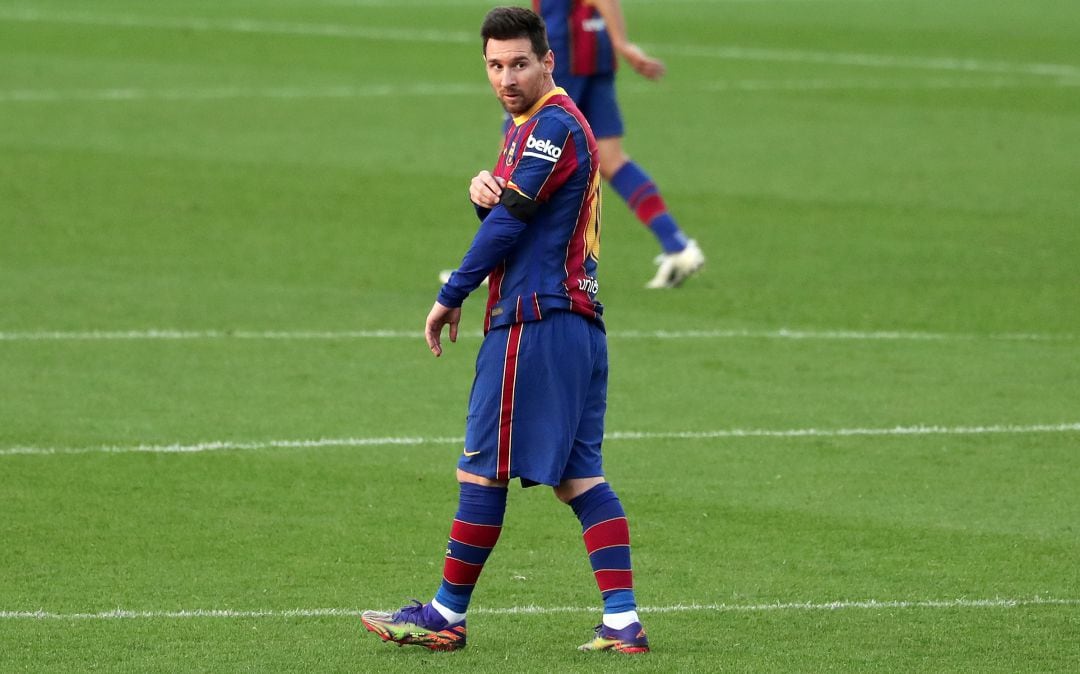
{"x": 509, "y": 23}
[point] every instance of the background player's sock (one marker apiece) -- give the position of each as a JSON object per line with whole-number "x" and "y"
{"x": 643, "y": 197}
{"x": 475, "y": 531}
{"x": 607, "y": 540}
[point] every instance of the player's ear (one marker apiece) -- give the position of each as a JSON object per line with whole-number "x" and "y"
{"x": 549, "y": 62}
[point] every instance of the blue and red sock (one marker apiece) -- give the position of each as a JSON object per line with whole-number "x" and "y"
{"x": 643, "y": 197}
{"x": 475, "y": 531}
{"x": 607, "y": 540}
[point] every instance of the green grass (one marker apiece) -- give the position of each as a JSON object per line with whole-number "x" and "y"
{"x": 164, "y": 170}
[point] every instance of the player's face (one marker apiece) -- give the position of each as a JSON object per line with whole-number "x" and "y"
{"x": 518, "y": 76}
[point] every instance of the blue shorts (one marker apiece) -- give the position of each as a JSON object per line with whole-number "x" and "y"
{"x": 595, "y": 97}
{"x": 536, "y": 410}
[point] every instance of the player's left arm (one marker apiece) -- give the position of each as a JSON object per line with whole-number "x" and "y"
{"x": 493, "y": 241}
{"x": 439, "y": 317}
{"x": 547, "y": 160}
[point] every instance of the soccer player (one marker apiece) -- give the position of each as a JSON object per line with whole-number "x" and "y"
{"x": 587, "y": 37}
{"x": 536, "y": 411}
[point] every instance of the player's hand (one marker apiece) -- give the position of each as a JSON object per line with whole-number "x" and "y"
{"x": 438, "y": 317}
{"x": 485, "y": 190}
{"x": 642, "y": 63}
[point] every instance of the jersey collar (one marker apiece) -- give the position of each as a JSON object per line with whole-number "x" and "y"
{"x": 523, "y": 117}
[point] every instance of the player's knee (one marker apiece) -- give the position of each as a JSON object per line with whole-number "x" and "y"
{"x": 610, "y": 166}
{"x": 612, "y": 157}
{"x": 473, "y": 478}
{"x": 571, "y": 489}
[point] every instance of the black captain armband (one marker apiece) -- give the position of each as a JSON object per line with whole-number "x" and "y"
{"x": 519, "y": 206}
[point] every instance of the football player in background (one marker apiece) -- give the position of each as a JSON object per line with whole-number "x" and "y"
{"x": 588, "y": 37}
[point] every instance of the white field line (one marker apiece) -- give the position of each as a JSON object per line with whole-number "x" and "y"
{"x": 226, "y": 445}
{"x": 253, "y": 26}
{"x": 870, "y": 605}
{"x": 941, "y": 63}
{"x": 166, "y": 334}
{"x": 731, "y": 52}
{"x": 485, "y": 4}
{"x": 865, "y": 84}
{"x": 347, "y": 92}
{"x": 135, "y": 94}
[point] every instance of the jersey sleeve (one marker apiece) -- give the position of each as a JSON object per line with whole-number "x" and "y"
{"x": 493, "y": 241}
{"x": 547, "y": 161}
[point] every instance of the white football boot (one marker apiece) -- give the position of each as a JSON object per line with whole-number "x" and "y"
{"x": 674, "y": 268}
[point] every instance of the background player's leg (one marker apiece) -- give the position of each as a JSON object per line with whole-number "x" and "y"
{"x": 682, "y": 257}
{"x": 640, "y": 193}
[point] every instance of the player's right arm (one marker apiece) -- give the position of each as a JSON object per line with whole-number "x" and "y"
{"x": 642, "y": 63}
{"x": 486, "y": 189}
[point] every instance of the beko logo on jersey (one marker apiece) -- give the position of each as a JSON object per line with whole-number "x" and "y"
{"x": 545, "y": 146}
{"x": 594, "y": 25}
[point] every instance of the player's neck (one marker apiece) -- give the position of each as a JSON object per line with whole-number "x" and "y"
{"x": 549, "y": 89}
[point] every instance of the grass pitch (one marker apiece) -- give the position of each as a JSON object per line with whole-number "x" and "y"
{"x": 851, "y": 444}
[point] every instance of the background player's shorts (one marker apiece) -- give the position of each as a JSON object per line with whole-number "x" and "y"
{"x": 595, "y": 97}
{"x": 537, "y": 405}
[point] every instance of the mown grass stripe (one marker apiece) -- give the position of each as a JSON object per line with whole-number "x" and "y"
{"x": 353, "y": 31}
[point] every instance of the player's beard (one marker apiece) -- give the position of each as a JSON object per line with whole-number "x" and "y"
{"x": 516, "y": 104}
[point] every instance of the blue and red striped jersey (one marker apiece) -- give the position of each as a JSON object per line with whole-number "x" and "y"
{"x": 578, "y": 36}
{"x": 549, "y": 263}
